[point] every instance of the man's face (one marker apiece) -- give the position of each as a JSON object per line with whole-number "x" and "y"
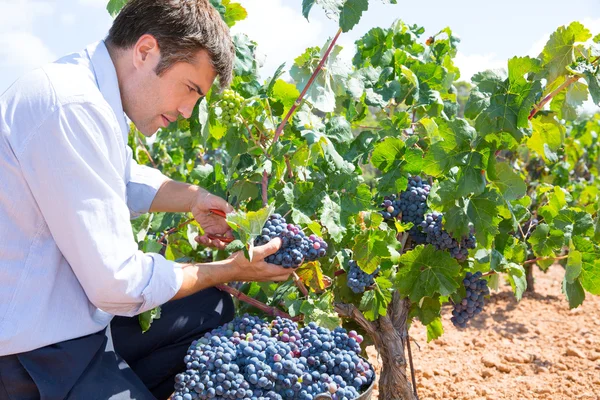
{"x": 153, "y": 101}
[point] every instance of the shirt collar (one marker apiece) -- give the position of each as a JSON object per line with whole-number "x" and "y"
{"x": 106, "y": 79}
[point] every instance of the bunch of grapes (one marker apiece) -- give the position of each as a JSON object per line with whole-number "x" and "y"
{"x": 231, "y": 103}
{"x": 249, "y": 358}
{"x": 357, "y": 279}
{"x": 391, "y": 207}
{"x": 473, "y": 302}
{"x": 296, "y": 247}
{"x": 437, "y": 236}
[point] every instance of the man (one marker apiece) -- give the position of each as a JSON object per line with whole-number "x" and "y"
{"x": 68, "y": 186}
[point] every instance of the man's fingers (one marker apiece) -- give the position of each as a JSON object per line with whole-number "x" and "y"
{"x": 265, "y": 250}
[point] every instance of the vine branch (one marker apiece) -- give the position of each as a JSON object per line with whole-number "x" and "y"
{"x": 533, "y": 261}
{"x": 145, "y": 149}
{"x": 310, "y": 81}
{"x": 275, "y": 312}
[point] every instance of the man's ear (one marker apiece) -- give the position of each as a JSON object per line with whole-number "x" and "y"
{"x": 146, "y": 53}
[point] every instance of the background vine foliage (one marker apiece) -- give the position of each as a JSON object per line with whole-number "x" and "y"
{"x": 506, "y": 176}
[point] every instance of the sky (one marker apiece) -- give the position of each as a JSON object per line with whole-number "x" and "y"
{"x": 34, "y": 32}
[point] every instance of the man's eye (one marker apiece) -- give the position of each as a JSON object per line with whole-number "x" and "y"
{"x": 191, "y": 88}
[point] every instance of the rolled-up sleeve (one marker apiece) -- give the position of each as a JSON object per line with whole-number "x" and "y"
{"x": 76, "y": 167}
{"x": 143, "y": 183}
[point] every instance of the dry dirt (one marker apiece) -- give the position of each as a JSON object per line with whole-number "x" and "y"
{"x": 533, "y": 349}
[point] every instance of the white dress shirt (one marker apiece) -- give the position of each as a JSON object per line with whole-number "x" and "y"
{"x": 68, "y": 187}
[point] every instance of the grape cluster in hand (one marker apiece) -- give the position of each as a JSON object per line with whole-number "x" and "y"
{"x": 472, "y": 304}
{"x": 231, "y": 103}
{"x": 296, "y": 247}
{"x": 357, "y": 279}
{"x": 437, "y": 236}
{"x": 249, "y": 358}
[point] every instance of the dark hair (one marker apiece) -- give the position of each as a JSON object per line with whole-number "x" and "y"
{"x": 181, "y": 28}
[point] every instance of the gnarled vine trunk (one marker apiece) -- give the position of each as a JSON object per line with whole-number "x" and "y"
{"x": 529, "y": 277}
{"x": 389, "y": 335}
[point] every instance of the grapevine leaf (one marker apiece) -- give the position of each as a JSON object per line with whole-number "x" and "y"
{"x": 593, "y": 81}
{"x": 114, "y": 6}
{"x": 235, "y": 246}
{"x": 245, "y": 63}
{"x": 306, "y": 7}
{"x": 517, "y": 278}
{"x": 426, "y": 272}
{"x": 351, "y": 13}
{"x": 339, "y": 130}
{"x": 548, "y": 136}
{"x": 387, "y": 154}
{"x": 510, "y": 185}
{"x": 573, "y": 267}
{"x": 374, "y": 302}
{"x": 141, "y": 226}
{"x": 331, "y": 218}
{"x": 572, "y": 221}
{"x": 483, "y": 212}
{"x": 371, "y": 247}
{"x": 545, "y": 241}
{"x": 574, "y": 292}
{"x": 565, "y": 103}
{"x": 476, "y": 103}
{"x": 145, "y": 319}
{"x": 354, "y": 201}
{"x": 428, "y": 309}
{"x": 456, "y": 221}
{"x": 558, "y": 52}
{"x": 249, "y": 225}
{"x": 434, "y": 330}
{"x": 286, "y": 93}
{"x": 590, "y": 268}
{"x": 234, "y": 13}
{"x": 312, "y": 276}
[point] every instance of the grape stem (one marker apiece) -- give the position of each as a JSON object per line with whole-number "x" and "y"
{"x": 549, "y": 97}
{"x": 265, "y": 185}
{"x": 540, "y": 106}
{"x": 339, "y": 272}
{"x": 310, "y": 81}
{"x": 172, "y": 230}
{"x": 145, "y": 149}
{"x": 545, "y": 258}
{"x": 300, "y": 284}
{"x": 272, "y": 311}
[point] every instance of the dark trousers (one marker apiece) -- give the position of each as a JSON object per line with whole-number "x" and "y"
{"x": 118, "y": 363}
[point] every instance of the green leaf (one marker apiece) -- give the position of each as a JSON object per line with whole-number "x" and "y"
{"x": 141, "y": 226}
{"x": 235, "y": 12}
{"x": 339, "y": 130}
{"x": 548, "y": 136}
{"x": 331, "y": 219}
{"x": 249, "y": 225}
{"x": 425, "y": 272}
{"x": 371, "y": 247}
{"x": 145, "y": 319}
{"x": 235, "y": 246}
{"x": 428, "y": 310}
{"x": 374, "y": 302}
{"x": 574, "y": 292}
{"x": 483, "y": 212}
{"x": 286, "y": 93}
{"x": 351, "y": 13}
{"x": 566, "y": 102}
{"x": 558, "y": 52}
{"x": 114, "y": 6}
{"x": 517, "y": 278}
{"x": 546, "y": 242}
{"x": 387, "y": 153}
{"x": 510, "y": 185}
{"x": 434, "y": 330}
{"x": 245, "y": 63}
{"x": 573, "y": 267}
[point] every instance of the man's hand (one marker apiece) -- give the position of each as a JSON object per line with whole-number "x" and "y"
{"x": 259, "y": 270}
{"x": 211, "y": 223}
